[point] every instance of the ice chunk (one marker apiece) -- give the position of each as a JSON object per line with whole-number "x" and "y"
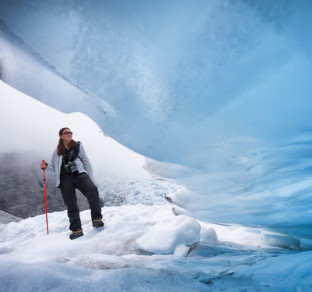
{"x": 165, "y": 236}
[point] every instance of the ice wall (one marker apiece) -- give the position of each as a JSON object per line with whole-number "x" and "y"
{"x": 188, "y": 75}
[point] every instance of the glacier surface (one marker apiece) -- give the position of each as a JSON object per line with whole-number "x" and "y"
{"x": 119, "y": 259}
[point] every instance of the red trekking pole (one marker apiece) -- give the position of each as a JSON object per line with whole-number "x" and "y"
{"x": 45, "y": 197}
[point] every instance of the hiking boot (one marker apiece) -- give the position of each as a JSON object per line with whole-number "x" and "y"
{"x": 76, "y": 233}
{"x": 97, "y": 223}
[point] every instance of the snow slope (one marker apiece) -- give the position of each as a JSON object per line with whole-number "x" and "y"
{"x": 31, "y": 127}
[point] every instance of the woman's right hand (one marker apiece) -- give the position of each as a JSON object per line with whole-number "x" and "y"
{"x": 43, "y": 165}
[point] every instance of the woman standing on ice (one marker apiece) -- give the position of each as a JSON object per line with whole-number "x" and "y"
{"x": 73, "y": 171}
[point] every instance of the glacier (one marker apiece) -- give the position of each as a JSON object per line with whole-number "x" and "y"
{"x": 217, "y": 91}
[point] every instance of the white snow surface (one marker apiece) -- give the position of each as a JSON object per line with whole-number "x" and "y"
{"x": 132, "y": 253}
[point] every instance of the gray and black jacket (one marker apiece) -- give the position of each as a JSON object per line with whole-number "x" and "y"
{"x": 82, "y": 163}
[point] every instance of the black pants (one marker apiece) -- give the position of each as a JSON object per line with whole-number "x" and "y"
{"x": 85, "y": 185}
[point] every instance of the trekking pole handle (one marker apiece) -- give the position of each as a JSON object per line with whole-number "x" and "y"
{"x": 45, "y": 164}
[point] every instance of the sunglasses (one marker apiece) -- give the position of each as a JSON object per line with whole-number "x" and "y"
{"x": 66, "y": 133}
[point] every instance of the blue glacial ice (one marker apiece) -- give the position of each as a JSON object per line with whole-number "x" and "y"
{"x": 222, "y": 88}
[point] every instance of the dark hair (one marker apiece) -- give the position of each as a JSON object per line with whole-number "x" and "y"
{"x": 60, "y": 147}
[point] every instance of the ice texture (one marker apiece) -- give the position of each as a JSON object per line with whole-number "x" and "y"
{"x": 210, "y": 77}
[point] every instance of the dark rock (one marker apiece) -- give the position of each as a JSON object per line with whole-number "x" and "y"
{"x": 21, "y": 187}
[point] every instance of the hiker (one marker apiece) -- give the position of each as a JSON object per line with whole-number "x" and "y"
{"x": 73, "y": 171}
